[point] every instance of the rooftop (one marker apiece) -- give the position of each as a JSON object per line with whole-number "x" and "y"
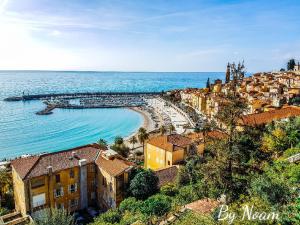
{"x": 170, "y": 142}
{"x": 269, "y": 116}
{"x": 166, "y": 175}
{"x": 114, "y": 166}
{"x": 34, "y": 166}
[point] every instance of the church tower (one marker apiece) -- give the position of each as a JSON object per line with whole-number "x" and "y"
{"x": 227, "y": 74}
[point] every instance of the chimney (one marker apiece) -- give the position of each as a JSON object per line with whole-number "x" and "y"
{"x": 50, "y": 170}
{"x": 82, "y": 162}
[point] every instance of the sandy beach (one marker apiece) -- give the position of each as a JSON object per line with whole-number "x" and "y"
{"x": 147, "y": 123}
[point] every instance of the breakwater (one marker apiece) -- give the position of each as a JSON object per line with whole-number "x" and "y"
{"x": 75, "y": 95}
{"x": 87, "y": 100}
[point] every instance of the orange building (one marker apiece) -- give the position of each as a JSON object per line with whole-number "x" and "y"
{"x": 68, "y": 179}
{"x": 166, "y": 150}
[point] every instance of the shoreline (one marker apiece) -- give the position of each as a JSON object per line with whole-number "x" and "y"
{"x": 147, "y": 122}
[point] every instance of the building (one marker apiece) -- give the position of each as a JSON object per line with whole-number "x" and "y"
{"x": 166, "y": 150}
{"x": 259, "y": 119}
{"x": 297, "y": 67}
{"x": 71, "y": 179}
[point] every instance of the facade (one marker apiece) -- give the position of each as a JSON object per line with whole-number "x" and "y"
{"x": 165, "y": 151}
{"x": 67, "y": 179}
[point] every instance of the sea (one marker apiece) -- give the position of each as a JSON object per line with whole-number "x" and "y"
{"x": 23, "y": 132}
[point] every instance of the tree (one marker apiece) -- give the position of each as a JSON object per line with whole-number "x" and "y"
{"x": 119, "y": 140}
{"x": 171, "y": 128}
{"x": 142, "y": 136}
{"x": 208, "y": 83}
{"x": 157, "y": 205}
{"x": 5, "y": 184}
{"x": 102, "y": 143}
{"x": 282, "y": 70}
{"x": 291, "y": 64}
{"x": 112, "y": 216}
{"x": 133, "y": 141}
{"x": 162, "y": 130}
{"x": 144, "y": 184}
{"x": 130, "y": 204}
{"x": 53, "y": 217}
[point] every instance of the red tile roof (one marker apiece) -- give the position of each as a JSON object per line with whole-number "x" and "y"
{"x": 170, "y": 142}
{"x": 35, "y": 166}
{"x": 269, "y": 116}
{"x": 166, "y": 175}
{"x": 114, "y": 166}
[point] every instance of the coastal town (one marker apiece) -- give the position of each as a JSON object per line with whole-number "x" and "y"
{"x": 179, "y": 129}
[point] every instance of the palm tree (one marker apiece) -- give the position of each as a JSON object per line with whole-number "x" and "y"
{"x": 119, "y": 140}
{"x": 133, "y": 141}
{"x": 163, "y": 130}
{"x": 102, "y": 143}
{"x": 171, "y": 128}
{"x": 143, "y": 136}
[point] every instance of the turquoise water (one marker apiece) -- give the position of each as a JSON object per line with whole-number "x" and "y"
{"x": 24, "y": 132}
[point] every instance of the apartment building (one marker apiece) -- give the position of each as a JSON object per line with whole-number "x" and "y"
{"x": 69, "y": 179}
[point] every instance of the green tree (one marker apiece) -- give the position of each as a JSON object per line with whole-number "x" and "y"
{"x": 5, "y": 184}
{"x": 191, "y": 218}
{"x": 102, "y": 143}
{"x": 208, "y": 83}
{"x": 171, "y": 128}
{"x": 162, "y": 130}
{"x": 130, "y": 204}
{"x": 157, "y": 205}
{"x": 143, "y": 136}
{"x": 133, "y": 140}
{"x": 144, "y": 184}
{"x": 119, "y": 140}
{"x": 53, "y": 217}
{"x": 291, "y": 64}
{"x": 291, "y": 213}
{"x": 112, "y": 216}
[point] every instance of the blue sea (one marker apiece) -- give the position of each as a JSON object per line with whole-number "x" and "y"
{"x": 24, "y": 132}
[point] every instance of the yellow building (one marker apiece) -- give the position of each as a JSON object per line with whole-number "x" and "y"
{"x": 67, "y": 179}
{"x": 166, "y": 150}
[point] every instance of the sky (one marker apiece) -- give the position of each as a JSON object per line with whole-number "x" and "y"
{"x": 148, "y": 35}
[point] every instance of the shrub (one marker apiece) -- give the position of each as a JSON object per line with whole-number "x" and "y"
{"x": 112, "y": 216}
{"x": 169, "y": 189}
{"x": 130, "y": 204}
{"x": 144, "y": 184}
{"x": 157, "y": 205}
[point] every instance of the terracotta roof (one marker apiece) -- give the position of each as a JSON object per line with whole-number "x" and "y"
{"x": 23, "y": 165}
{"x": 37, "y": 165}
{"x": 166, "y": 175}
{"x": 269, "y": 116}
{"x": 203, "y": 206}
{"x": 170, "y": 142}
{"x": 114, "y": 165}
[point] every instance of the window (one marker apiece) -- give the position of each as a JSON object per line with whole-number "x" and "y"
{"x": 73, "y": 188}
{"x": 73, "y": 202}
{"x": 93, "y": 182}
{"x": 57, "y": 178}
{"x": 72, "y": 175}
{"x": 93, "y": 195}
{"x": 110, "y": 187}
{"x": 39, "y": 200}
{"x": 58, "y": 192}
